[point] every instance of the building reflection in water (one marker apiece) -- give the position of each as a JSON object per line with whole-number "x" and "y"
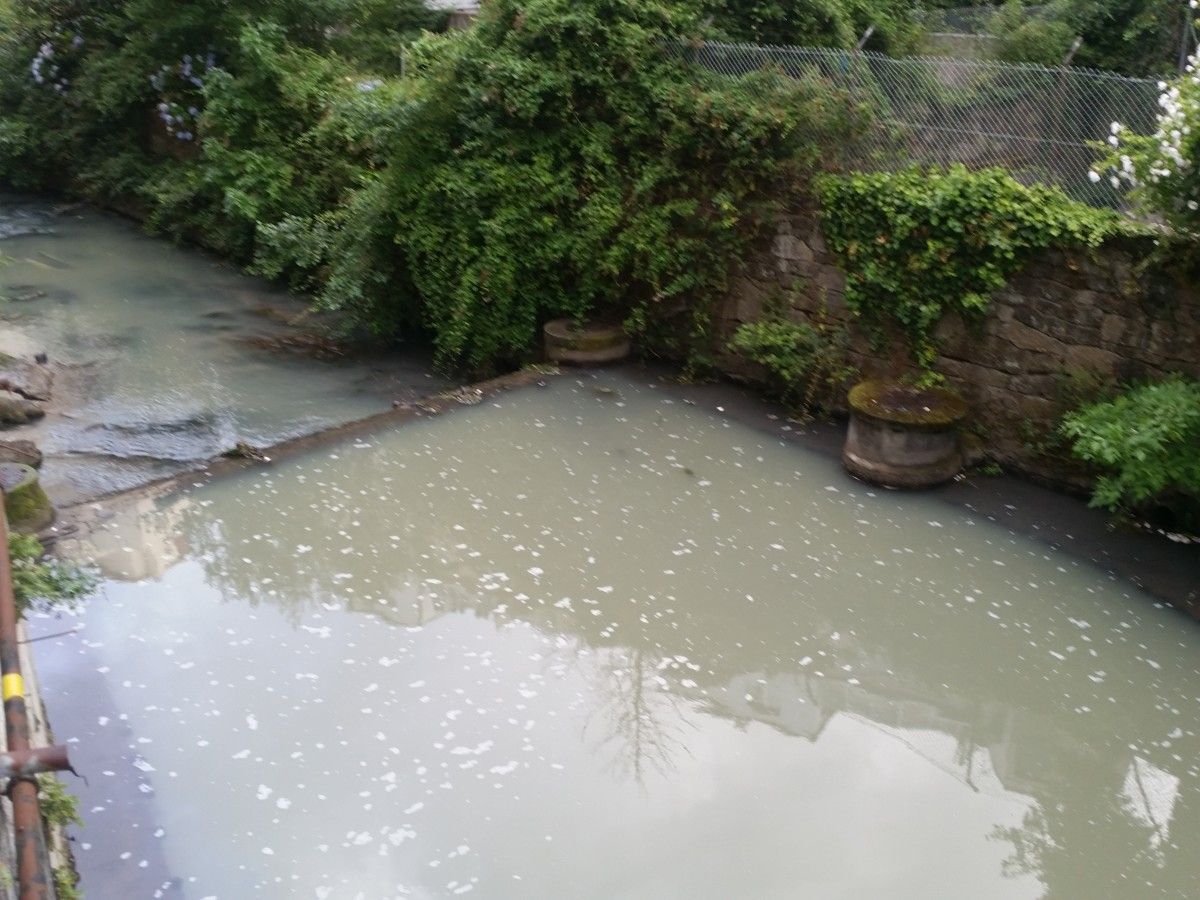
{"x": 1093, "y": 785}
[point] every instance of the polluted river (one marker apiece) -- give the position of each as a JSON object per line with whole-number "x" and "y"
{"x": 585, "y": 639}
{"x": 161, "y": 358}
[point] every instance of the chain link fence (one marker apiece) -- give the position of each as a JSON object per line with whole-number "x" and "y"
{"x": 1040, "y": 123}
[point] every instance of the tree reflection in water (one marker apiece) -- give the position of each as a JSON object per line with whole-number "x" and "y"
{"x": 643, "y": 724}
{"x": 1107, "y": 757}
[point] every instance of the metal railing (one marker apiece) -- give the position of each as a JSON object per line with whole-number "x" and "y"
{"x": 1040, "y": 123}
{"x": 20, "y": 764}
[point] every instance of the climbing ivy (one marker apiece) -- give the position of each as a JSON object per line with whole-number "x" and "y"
{"x": 920, "y": 243}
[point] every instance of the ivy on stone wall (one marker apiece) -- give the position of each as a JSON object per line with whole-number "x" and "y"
{"x": 920, "y": 243}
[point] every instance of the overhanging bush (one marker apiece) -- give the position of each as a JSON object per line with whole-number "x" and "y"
{"x": 207, "y": 116}
{"x": 44, "y": 583}
{"x": 554, "y": 161}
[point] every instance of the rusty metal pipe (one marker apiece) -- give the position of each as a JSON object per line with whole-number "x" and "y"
{"x": 24, "y": 763}
{"x": 33, "y": 878}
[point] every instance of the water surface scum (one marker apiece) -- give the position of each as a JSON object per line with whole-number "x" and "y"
{"x": 588, "y": 641}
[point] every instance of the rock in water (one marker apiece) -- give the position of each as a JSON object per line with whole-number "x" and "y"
{"x": 29, "y": 509}
{"x": 17, "y": 411}
{"x": 23, "y": 293}
{"x": 25, "y": 453}
{"x": 26, "y": 379}
{"x": 21, "y": 221}
{"x": 242, "y": 450}
{"x": 162, "y": 434}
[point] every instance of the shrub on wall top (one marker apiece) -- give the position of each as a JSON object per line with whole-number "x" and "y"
{"x": 1163, "y": 168}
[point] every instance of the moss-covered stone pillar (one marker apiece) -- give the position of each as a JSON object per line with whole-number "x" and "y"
{"x": 902, "y": 436}
{"x": 585, "y": 344}
{"x": 28, "y": 508}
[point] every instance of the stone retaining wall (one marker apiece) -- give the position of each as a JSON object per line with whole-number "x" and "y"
{"x": 1066, "y": 318}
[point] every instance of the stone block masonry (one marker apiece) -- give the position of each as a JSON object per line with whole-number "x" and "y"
{"x": 1068, "y": 318}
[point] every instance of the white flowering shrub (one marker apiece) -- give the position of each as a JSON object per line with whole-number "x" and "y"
{"x": 180, "y": 87}
{"x": 1163, "y": 169}
{"x": 54, "y": 56}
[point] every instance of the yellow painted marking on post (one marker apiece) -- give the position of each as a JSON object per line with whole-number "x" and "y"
{"x": 12, "y": 686}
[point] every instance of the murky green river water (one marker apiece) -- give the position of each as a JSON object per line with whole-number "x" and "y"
{"x": 157, "y": 353}
{"x": 587, "y": 641}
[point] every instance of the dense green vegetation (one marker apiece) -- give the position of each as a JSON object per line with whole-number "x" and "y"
{"x": 41, "y": 582}
{"x": 921, "y": 243}
{"x": 1146, "y": 442}
{"x": 807, "y": 363}
{"x": 206, "y": 116}
{"x": 820, "y": 23}
{"x": 554, "y": 160}
{"x": 1135, "y": 37}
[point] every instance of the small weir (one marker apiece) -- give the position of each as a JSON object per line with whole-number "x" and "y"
{"x": 160, "y": 357}
{"x": 586, "y": 640}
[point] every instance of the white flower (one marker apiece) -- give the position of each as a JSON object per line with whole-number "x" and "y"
{"x": 1093, "y": 176}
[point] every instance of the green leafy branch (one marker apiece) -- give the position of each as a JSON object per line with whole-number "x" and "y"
{"x": 1146, "y": 440}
